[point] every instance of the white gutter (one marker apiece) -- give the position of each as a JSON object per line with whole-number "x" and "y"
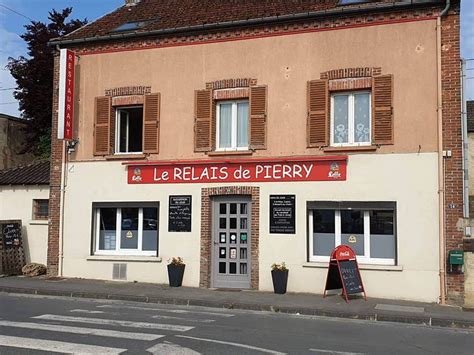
{"x": 465, "y": 141}
{"x": 441, "y": 191}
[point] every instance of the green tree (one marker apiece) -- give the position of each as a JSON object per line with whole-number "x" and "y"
{"x": 34, "y": 77}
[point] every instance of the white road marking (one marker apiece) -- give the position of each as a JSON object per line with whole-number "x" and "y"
{"x": 324, "y": 351}
{"x": 56, "y": 346}
{"x": 268, "y": 351}
{"x": 86, "y": 311}
{"x": 80, "y": 330}
{"x": 185, "y": 319}
{"x": 181, "y": 311}
{"x": 115, "y": 322}
{"x": 170, "y": 348}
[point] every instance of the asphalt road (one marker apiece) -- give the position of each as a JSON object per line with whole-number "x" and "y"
{"x": 42, "y": 325}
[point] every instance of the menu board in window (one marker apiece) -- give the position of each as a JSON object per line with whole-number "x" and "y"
{"x": 282, "y": 214}
{"x": 179, "y": 216}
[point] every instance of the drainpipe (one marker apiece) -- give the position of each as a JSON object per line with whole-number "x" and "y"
{"x": 465, "y": 142}
{"x": 442, "y": 241}
{"x": 62, "y": 197}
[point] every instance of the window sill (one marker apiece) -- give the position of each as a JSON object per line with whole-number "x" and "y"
{"x": 125, "y": 157}
{"x": 127, "y": 258}
{"x": 229, "y": 152}
{"x": 322, "y": 265}
{"x": 43, "y": 222}
{"x": 362, "y": 148}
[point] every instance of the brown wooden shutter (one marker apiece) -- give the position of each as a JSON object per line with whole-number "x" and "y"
{"x": 151, "y": 123}
{"x": 202, "y": 120}
{"x": 317, "y": 125}
{"x": 258, "y": 117}
{"x": 102, "y": 125}
{"x": 382, "y": 112}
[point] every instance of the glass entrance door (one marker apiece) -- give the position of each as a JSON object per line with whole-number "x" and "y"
{"x": 231, "y": 238}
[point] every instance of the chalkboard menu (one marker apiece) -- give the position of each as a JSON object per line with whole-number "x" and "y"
{"x": 12, "y": 255}
{"x": 343, "y": 272}
{"x": 350, "y": 276}
{"x": 282, "y": 214}
{"x": 11, "y": 235}
{"x": 179, "y": 216}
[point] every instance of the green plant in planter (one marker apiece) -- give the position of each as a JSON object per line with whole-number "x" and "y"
{"x": 176, "y": 268}
{"x": 279, "y": 277}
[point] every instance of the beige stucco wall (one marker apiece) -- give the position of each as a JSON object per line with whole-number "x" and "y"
{"x": 471, "y": 163}
{"x": 16, "y": 202}
{"x": 285, "y": 64}
{"x": 469, "y": 280}
{"x": 408, "y": 179}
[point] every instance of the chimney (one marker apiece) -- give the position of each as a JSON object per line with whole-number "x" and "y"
{"x": 131, "y": 2}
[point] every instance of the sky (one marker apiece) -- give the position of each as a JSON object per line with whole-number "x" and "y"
{"x": 11, "y": 26}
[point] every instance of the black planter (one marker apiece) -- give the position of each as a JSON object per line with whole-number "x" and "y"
{"x": 175, "y": 275}
{"x": 280, "y": 280}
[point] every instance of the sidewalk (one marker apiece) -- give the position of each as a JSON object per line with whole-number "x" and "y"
{"x": 309, "y": 304}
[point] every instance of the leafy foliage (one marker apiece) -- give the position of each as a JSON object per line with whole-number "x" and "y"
{"x": 34, "y": 77}
{"x": 279, "y": 267}
{"x": 176, "y": 261}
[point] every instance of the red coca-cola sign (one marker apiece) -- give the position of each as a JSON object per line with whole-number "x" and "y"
{"x": 239, "y": 170}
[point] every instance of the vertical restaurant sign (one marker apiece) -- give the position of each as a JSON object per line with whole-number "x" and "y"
{"x": 292, "y": 169}
{"x": 67, "y": 64}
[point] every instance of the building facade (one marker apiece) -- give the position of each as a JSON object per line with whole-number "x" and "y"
{"x": 242, "y": 137}
{"x": 24, "y": 196}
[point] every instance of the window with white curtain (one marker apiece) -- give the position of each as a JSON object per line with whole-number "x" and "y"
{"x": 370, "y": 232}
{"x": 126, "y": 229}
{"x": 232, "y": 125}
{"x": 351, "y": 118}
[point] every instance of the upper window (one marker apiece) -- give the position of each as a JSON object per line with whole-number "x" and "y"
{"x": 129, "y": 130}
{"x": 351, "y": 118}
{"x": 232, "y": 125}
{"x": 132, "y": 26}
{"x": 369, "y": 232}
{"x": 40, "y": 209}
{"x": 126, "y": 230}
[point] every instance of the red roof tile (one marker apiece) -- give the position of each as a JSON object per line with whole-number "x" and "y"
{"x": 170, "y": 14}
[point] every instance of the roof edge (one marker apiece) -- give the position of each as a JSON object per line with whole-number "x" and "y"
{"x": 400, "y": 5}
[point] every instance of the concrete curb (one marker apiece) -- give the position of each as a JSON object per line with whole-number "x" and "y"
{"x": 375, "y": 316}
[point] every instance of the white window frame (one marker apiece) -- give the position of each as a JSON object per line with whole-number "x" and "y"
{"x": 117, "y": 129}
{"x": 363, "y": 259}
{"x": 351, "y": 119}
{"x": 118, "y": 230}
{"x": 234, "y": 125}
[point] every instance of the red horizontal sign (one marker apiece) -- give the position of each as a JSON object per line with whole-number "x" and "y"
{"x": 270, "y": 170}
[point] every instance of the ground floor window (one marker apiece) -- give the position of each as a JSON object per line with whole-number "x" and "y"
{"x": 368, "y": 228}
{"x": 126, "y": 229}
{"x": 40, "y": 209}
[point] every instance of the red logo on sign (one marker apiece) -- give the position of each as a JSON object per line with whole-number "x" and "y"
{"x": 270, "y": 170}
{"x": 343, "y": 252}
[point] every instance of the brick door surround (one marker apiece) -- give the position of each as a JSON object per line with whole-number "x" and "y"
{"x": 206, "y": 230}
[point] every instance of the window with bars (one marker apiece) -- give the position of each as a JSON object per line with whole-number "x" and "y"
{"x": 40, "y": 209}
